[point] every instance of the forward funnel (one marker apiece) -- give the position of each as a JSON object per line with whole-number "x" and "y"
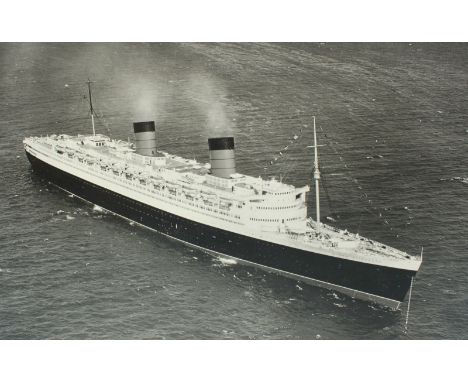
{"x": 222, "y": 157}
{"x": 145, "y": 138}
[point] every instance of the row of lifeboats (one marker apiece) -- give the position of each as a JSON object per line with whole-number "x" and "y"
{"x": 82, "y": 158}
{"x": 158, "y": 183}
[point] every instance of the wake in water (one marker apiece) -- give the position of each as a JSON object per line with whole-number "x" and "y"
{"x": 339, "y": 305}
{"x": 455, "y": 179}
{"x": 226, "y": 261}
{"x": 96, "y": 208}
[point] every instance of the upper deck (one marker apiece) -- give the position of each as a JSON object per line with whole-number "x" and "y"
{"x": 269, "y": 209}
{"x": 266, "y": 204}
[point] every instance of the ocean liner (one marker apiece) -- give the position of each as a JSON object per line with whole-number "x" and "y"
{"x": 259, "y": 222}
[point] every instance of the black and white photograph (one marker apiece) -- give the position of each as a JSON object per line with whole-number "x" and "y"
{"x": 233, "y": 190}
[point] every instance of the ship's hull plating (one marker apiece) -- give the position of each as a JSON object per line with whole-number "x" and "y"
{"x": 366, "y": 281}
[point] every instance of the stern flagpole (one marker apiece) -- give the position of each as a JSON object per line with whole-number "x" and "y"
{"x": 91, "y": 105}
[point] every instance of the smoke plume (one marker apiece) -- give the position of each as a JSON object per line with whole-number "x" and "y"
{"x": 208, "y": 96}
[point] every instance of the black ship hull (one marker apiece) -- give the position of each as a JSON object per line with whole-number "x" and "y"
{"x": 381, "y": 284}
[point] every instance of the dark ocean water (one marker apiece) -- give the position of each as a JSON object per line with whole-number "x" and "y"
{"x": 392, "y": 117}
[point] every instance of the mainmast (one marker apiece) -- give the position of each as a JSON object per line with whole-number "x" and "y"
{"x": 91, "y": 105}
{"x": 316, "y": 174}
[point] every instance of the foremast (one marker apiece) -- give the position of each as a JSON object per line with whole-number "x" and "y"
{"x": 316, "y": 174}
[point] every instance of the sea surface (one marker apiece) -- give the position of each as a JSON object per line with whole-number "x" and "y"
{"x": 392, "y": 119}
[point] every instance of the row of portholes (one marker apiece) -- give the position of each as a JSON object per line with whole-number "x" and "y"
{"x": 275, "y": 208}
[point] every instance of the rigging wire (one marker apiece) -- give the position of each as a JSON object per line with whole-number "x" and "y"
{"x": 280, "y": 156}
{"x": 99, "y": 115}
{"x": 283, "y": 159}
{"x": 327, "y": 195}
{"x": 375, "y": 211}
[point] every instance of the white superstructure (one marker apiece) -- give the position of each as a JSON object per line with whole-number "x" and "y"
{"x": 269, "y": 210}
